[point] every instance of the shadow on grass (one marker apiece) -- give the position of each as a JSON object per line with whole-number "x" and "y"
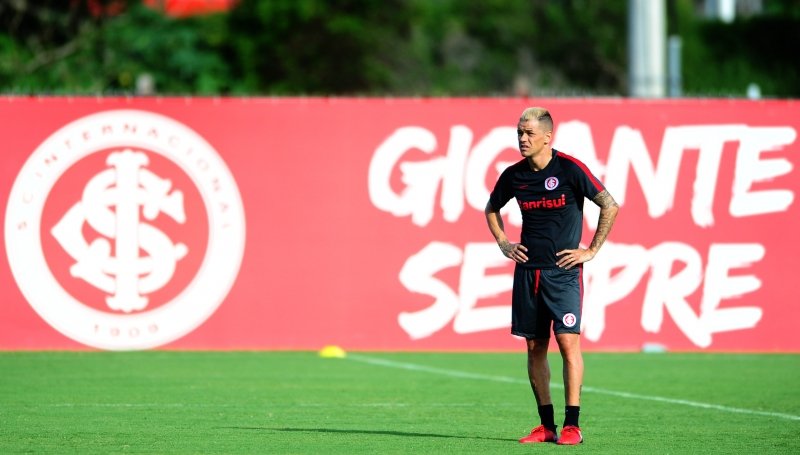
{"x": 368, "y": 432}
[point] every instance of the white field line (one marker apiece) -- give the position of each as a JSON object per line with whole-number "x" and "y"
{"x": 507, "y": 379}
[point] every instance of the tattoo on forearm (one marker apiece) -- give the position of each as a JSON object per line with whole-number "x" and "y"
{"x": 608, "y": 213}
{"x": 604, "y": 199}
{"x": 506, "y": 247}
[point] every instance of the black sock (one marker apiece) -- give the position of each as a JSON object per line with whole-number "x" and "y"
{"x": 571, "y": 415}
{"x": 546, "y": 416}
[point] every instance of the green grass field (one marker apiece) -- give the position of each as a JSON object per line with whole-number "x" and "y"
{"x": 296, "y": 402}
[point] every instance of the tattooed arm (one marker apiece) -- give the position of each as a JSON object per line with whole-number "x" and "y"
{"x": 608, "y": 213}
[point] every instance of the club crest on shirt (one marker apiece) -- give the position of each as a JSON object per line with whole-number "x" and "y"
{"x": 551, "y": 183}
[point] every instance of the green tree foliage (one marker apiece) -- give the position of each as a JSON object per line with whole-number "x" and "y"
{"x": 723, "y": 59}
{"x": 386, "y": 47}
{"x": 515, "y": 47}
{"x": 102, "y": 47}
{"x": 314, "y": 46}
{"x": 340, "y": 47}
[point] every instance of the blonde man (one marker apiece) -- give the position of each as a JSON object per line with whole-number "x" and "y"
{"x": 550, "y": 188}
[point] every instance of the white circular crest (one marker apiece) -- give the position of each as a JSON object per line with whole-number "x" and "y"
{"x": 551, "y": 183}
{"x": 126, "y": 130}
{"x": 569, "y": 320}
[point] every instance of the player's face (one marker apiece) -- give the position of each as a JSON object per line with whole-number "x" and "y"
{"x": 532, "y": 138}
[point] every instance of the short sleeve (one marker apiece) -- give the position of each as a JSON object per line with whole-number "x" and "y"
{"x": 585, "y": 182}
{"x": 502, "y": 192}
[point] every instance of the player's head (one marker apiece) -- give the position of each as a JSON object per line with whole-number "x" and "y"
{"x": 535, "y": 131}
{"x": 540, "y": 115}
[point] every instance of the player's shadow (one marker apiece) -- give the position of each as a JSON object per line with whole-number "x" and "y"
{"x": 373, "y": 432}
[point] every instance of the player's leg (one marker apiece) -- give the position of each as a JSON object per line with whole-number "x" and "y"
{"x": 539, "y": 370}
{"x": 528, "y": 321}
{"x": 539, "y": 377}
{"x": 562, "y": 293}
{"x": 570, "y": 346}
{"x": 532, "y": 320}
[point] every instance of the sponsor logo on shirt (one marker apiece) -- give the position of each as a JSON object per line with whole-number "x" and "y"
{"x": 544, "y": 203}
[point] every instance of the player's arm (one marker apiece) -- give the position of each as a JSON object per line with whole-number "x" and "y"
{"x": 608, "y": 213}
{"x": 514, "y": 251}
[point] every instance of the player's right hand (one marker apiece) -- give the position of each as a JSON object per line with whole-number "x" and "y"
{"x": 515, "y": 252}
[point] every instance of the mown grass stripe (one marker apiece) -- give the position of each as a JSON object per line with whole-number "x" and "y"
{"x": 494, "y": 378}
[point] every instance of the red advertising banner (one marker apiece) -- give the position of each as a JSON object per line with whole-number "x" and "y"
{"x": 293, "y": 223}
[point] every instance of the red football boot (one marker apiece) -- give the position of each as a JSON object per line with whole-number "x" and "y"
{"x": 539, "y": 434}
{"x": 570, "y": 435}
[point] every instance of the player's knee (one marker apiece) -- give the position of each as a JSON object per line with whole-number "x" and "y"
{"x": 569, "y": 343}
{"x": 538, "y": 346}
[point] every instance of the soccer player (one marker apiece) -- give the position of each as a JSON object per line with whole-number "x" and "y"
{"x": 550, "y": 188}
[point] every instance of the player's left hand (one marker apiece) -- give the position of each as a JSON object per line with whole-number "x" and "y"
{"x": 571, "y": 258}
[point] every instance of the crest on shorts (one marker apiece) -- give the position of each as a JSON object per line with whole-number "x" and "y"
{"x": 569, "y": 320}
{"x": 551, "y": 183}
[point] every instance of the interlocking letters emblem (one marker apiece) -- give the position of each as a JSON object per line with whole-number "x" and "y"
{"x": 126, "y": 276}
{"x": 111, "y": 225}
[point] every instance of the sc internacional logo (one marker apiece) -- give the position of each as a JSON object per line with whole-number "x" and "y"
{"x": 125, "y": 230}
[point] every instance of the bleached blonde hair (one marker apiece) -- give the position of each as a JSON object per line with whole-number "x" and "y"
{"x": 539, "y": 114}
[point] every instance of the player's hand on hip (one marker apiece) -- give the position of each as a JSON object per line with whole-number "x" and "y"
{"x": 570, "y": 258}
{"x": 514, "y": 251}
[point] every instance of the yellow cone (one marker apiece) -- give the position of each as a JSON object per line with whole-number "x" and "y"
{"x": 332, "y": 352}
